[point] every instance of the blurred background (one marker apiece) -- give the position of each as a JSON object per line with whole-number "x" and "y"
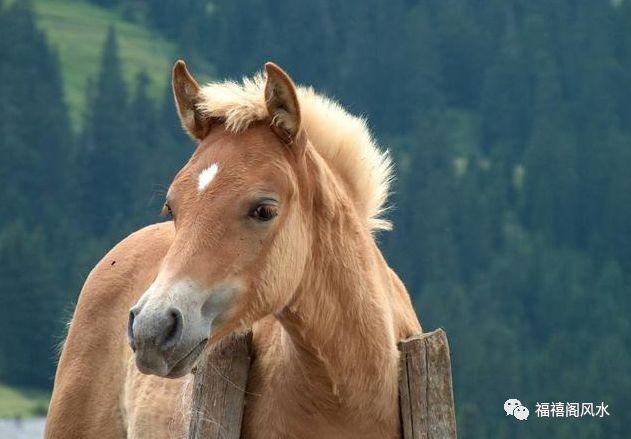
{"x": 510, "y": 125}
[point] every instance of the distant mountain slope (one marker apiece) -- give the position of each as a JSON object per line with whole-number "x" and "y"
{"x": 16, "y": 403}
{"x": 77, "y": 30}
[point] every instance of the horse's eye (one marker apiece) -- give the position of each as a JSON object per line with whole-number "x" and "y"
{"x": 166, "y": 211}
{"x": 264, "y": 212}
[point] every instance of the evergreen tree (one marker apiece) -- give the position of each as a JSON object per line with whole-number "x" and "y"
{"x": 108, "y": 159}
{"x": 509, "y": 122}
{"x": 35, "y": 138}
{"x": 156, "y": 149}
{"x": 551, "y": 161}
{"x": 37, "y": 172}
{"x": 506, "y": 96}
{"x": 31, "y": 308}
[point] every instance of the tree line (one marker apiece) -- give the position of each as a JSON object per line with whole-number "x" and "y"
{"x": 510, "y": 126}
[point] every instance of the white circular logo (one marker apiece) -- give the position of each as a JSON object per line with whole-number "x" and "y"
{"x": 514, "y": 407}
{"x": 521, "y": 413}
{"x": 510, "y": 405}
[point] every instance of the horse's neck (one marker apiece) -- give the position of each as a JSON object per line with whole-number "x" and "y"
{"x": 339, "y": 329}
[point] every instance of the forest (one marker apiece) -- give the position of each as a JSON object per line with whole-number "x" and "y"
{"x": 510, "y": 126}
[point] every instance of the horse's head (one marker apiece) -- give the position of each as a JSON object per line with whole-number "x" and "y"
{"x": 241, "y": 239}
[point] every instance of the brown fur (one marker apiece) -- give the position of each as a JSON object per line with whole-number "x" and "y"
{"x": 325, "y": 308}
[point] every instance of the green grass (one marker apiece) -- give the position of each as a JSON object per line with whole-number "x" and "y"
{"x": 22, "y": 403}
{"x": 77, "y": 30}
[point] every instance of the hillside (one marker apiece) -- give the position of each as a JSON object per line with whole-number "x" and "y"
{"x": 22, "y": 403}
{"x": 77, "y": 29}
{"x": 509, "y": 124}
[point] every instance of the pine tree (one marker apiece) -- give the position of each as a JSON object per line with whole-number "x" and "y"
{"x": 506, "y": 105}
{"x": 37, "y": 174}
{"x": 155, "y": 150}
{"x": 109, "y": 160}
{"x": 551, "y": 162}
{"x": 35, "y": 137}
{"x": 428, "y": 185}
{"x": 30, "y": 316}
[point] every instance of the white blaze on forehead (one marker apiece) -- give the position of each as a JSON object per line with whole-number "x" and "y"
{"x": 206, "y": 176}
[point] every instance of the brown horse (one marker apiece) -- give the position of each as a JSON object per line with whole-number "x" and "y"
{"x": 272, "y": 228}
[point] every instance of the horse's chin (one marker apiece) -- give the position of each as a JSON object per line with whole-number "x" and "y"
{"x": 186, "y": 364}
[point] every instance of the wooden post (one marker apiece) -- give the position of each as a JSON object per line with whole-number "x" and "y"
{"x": 219, "y": 389}
{"x": 425, "y": 388}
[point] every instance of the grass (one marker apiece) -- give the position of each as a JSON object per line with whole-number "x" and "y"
{"x": 77, "y": 30}
{"x": 16, "y": 403}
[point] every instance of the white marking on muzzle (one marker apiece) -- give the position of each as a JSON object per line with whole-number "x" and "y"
{"x": 206, "y": 176}
{"x": 199, "y": 306}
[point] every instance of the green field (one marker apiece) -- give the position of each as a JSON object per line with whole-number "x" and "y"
{"x": 22, "y": 403}
{"x": 77, "y": 30}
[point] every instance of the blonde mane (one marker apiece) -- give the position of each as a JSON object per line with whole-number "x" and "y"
{"x": 343, "y": 140}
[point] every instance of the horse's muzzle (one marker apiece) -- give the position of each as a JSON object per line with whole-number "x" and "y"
{"x": 154, "y": 336}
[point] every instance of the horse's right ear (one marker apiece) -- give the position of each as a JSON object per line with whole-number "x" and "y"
{"x": 186, "y": 92}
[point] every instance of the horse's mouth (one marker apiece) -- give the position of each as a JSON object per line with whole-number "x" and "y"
{"x": 186, "y": 363}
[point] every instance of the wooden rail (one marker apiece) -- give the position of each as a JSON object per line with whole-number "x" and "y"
{"x": 425, "y": 388}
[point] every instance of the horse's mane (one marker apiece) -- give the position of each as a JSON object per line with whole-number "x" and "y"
{"x": 343, "y": 140}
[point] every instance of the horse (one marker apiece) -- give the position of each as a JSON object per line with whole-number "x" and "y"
{"x": 273, "y": 224}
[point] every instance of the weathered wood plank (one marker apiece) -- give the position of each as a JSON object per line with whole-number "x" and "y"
{"x": 219, "y": 389}
{"x": 404, "y": 397}
{"x": 425, "y": 387}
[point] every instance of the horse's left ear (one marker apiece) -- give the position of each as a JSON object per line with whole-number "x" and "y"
{"x": 282, "y": 103}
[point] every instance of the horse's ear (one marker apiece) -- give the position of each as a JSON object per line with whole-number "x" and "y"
{"x": 282, "y": 102}
{"x": 186, "y": 92}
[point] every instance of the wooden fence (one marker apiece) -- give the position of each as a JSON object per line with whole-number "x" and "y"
{"x": 425, "y": 388}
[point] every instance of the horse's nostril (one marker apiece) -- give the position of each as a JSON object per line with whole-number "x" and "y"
{"x": 173, "y": 330}
{"x": 130, "y": 330}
